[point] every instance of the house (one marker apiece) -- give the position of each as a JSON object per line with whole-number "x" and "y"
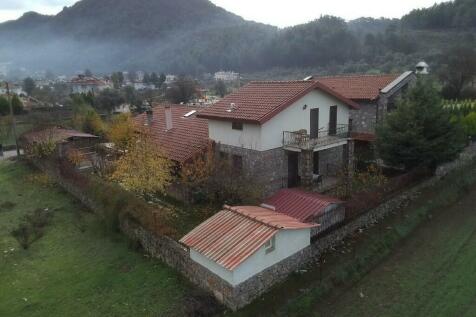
{"x": 285, "y": 133}
{"x": 226, "y": 76}
{"x": 14, "y": 89}
{"x": 422, "y": 68}
{"x": 177, "y": 130}
{"x": 240, "y": 242}
{"x": 82, "y": 84}
{"x": 376, "y": 95}
{"x": 308, "y": 207}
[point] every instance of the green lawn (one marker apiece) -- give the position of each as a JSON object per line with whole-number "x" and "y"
{"x": 433, "y": 273}
{"x": 76, "y": 268}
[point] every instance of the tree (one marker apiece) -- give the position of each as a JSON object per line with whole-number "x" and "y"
{"x": 117, "y": 79}
{"x": 143, "y": 168}
{"x": 85, "y": 118}
{"x": 220, "y": 88}
{"x": 132, "y": 76}
{"x": 88, "y": 73}
{"x": 182, "y": 90}
{"x": 4, "y": 106}
{"x": 17, "y": 105}
{"x": 162, "y": 79}
{"x": 122, "y": 131}
{"x": 419, "y": 133}
{"x": 29, "y": 85}
{"x": 108, "y": 100}
{"x": 469, "y": 124}
{"x": 459, "y": 70}
{"x": 147, "y": 79}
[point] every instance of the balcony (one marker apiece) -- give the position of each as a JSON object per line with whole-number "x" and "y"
{"x": 300, "y": 140}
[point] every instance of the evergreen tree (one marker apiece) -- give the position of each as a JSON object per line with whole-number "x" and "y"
{"x": 419, "y": 132}
{"x": 29, "y": 85}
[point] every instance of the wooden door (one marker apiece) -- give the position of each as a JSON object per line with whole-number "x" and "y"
{"x": 314, "y": 123}
{"x": 293, "y": 169}
{"x": 333, "y": 121}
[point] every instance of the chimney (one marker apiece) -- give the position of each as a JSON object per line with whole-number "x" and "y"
{"x": 150, "y": 117}
{"x": 168, "y": 118}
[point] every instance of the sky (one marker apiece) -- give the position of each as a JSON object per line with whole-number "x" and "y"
{"x": 281, "y": 13}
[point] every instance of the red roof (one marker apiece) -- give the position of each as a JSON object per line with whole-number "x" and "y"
{"x": 300, "y": 204}
{"x": 235, "y": 233}
{"x": 55, "y": 134}
{"x": 260, "y": 101}
{"x": 358, "y": 87}
{"x": 188, "y": 136}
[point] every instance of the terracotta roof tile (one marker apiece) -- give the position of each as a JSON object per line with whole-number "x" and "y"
{"x": 300, "y": 204}
{"x": 187, "y": 137}
{"x": 258, "y": 102}
{"x": 358, "y": 87}
{"x": 235, "y": 233}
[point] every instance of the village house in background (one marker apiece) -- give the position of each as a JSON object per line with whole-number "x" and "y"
{"x": 239, "y": 242}
{"x": 285, "y": 133}
{"x": 226, "y": 76}
{"x": 82, "y": 84}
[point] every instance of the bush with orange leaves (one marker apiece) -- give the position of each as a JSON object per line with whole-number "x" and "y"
{"x": 143, "y": 168}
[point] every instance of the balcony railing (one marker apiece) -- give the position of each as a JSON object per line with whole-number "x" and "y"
{"x": 302, "y": 140}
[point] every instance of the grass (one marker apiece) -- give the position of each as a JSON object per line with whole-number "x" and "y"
{"x": 76, "y": 268}
{"x": 421, "y": 261}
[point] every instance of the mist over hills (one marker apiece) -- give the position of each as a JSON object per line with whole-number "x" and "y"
{"x": 196, "y": 36}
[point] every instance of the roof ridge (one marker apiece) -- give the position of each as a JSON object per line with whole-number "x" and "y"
{"x": 236, "y": 210}
{"x": 356, "y": 75}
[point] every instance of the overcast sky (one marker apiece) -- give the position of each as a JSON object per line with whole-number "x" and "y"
{"x": 276, "y": 12}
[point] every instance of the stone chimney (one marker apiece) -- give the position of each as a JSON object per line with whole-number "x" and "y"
{"x": 150, "y": 117}
{"x": 168, "y": 118}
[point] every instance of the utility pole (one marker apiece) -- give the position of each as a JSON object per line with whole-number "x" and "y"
{"x": 12, "y": 115}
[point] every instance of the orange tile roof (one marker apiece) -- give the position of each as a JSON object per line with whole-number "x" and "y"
{"x": 188, "y": 136}
{"x": 358, "y": 87}
{"x": 235, "y": 233}
{"x": 259, "y": 101}
{"x": 300, "y": 204}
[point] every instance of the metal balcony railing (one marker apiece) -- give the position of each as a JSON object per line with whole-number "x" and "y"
{"x": 302, "y": 140}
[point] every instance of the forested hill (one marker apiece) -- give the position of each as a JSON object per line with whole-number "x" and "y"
{"x": 195, "y": 36}
{"x": 459, "y": 14}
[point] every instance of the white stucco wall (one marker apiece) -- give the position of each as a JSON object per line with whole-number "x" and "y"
{"x": 222, "y": 132}
{"x": 270, "y": 135}
{"x": 295, "y": 118}
{"x": 288, "y": 242}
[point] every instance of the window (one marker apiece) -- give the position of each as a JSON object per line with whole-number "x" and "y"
{"x": 270, "y": 245}
{"x": 237, "y": 126}
{"x": 237, "y": 163}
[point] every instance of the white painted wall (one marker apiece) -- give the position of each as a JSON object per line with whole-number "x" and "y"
{"x": 222, "y": 132}
{"x": 270, "y": 135}
{"x": 295, "y": 118}
{"x": 288, "y": 242}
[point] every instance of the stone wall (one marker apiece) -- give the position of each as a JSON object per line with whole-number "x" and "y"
{"x": 269, "y": 168}
{"x": 364, "y": 120}
{"x": 177, "y": 256}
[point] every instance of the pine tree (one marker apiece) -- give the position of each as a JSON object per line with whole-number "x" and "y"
{"x": 419, "y": 133}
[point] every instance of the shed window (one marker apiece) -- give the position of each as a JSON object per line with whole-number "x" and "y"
{"x": 270, "y": 245}
{"x": 237, "y": 126}
{"x": 237, "y": 163}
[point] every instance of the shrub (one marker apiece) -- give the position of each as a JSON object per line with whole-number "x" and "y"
{"x": 32, "y": 227}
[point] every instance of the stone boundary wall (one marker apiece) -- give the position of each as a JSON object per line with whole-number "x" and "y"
{"x": 177, "y": 256}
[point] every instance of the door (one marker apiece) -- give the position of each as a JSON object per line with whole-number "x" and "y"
{"x": 333, "y": 121}
{"x": 293, "y": 169}
{"x": 314, "y": 123}
{"x": 315, "y": 162}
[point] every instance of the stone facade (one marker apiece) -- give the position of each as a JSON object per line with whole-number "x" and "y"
{"x": 364, "y": 120}
{"x": 269, "y": 168}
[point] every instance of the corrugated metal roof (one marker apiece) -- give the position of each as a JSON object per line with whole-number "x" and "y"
{"x": 55, "y": 134}
{"x": 235, "y": 233}
{"x": 300, "y": 204}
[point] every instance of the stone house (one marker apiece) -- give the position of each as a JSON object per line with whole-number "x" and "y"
{"x": 239, "y": 242}
{"x": 284, "y": 133}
